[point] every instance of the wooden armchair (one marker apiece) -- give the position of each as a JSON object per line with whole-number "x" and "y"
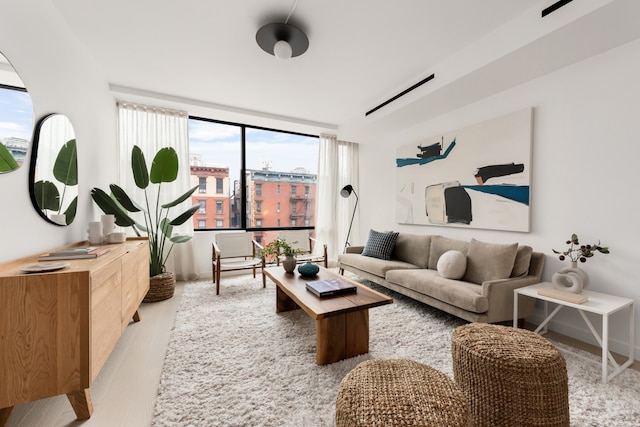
{"x": 235, "y": 251}
{"x": 302, "y": 240}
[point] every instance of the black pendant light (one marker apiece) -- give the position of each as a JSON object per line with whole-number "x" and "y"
{"x": 283, "y": 40}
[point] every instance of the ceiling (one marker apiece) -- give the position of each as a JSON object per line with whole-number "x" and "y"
{"x": 361, "y": 52}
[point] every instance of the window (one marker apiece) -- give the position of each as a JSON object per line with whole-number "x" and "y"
{"x": 259, "y": 223}
{"x": 219, "y": 223}
{"x": 294, "y": 206}
{"x": 202, "y": 184}
{"x": 307, "y": 189}
{"x": 203, "y": 206}
{"x": 219, "y": 207}
{"x": 219, "y": 148}
{"x": 202, "y": 223}
{"x": 293, "y": 222}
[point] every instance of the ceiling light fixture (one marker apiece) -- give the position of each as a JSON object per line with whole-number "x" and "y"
{"x": 283, "y": 40}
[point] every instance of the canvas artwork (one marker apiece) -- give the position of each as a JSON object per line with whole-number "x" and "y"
{"x": 476, "y": 177}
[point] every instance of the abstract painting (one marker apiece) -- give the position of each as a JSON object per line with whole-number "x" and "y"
{"x": 476, "y": 177}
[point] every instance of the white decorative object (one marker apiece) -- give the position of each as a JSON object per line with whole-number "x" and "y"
{"x": 571, "y": 279}
{"x": 95, "y": 233}
{"x": 116, "y": 237}
{"x": 108, "y": 224}
{"x": 452, "y": 265}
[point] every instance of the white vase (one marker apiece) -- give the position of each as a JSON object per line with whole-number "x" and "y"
{"x": 571, "y": 279}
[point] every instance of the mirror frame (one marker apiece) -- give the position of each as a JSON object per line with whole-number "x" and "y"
{"x": 66, "y": 156}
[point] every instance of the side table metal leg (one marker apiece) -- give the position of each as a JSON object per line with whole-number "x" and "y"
{"x": 605, "y": 346}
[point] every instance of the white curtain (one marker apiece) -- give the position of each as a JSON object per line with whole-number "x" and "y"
{"x": 151, "y": 129}
{"x": 337, "y": 167}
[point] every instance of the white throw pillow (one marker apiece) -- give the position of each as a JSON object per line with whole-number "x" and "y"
{"x": 452, "y": 265}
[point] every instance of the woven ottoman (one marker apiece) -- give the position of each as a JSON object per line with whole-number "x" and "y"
{"x": 512, "y": 377}
{"x": 399, "y": 393}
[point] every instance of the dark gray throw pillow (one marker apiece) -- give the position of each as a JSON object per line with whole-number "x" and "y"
{"x": 380, "y": 245}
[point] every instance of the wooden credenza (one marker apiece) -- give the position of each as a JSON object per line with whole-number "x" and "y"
{"x": 57, "y": 329}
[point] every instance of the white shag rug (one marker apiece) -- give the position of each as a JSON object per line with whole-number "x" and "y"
{"x": 232, "y": 361}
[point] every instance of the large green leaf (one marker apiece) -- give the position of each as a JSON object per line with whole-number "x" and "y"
{"x": 7, "y": 162}
{"x": 180, "y": 239}
{"x": 65, "y": 168}
{"x": 166, "y": 228}
{"x": 180, "y": 199}
{"x": 165, "y": 166}
{"x": 47, "y": 195}
{"x": 124, "y": 199}
{"x": 182, "y": 218}
{"x": 70, "y": 212}
{"x": 139, "y": 168}
{"x": 110, "y": 207}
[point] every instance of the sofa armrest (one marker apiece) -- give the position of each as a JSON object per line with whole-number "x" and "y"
{"x": 354, "y": 249}
{"x": 500, "y": 296}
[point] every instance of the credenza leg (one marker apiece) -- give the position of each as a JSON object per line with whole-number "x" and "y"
{"x": 5, "y": 413}
{"x": 136, "y": 316}
{"x": 81, "y": 402}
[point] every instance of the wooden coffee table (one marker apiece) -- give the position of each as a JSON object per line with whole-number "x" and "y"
{"x": 342, "y": 322}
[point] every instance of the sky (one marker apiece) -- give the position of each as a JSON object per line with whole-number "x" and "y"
{"x": 16, "y": 114}
{"x": 219, "y": 145}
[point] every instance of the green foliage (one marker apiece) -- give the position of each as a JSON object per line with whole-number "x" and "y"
{"x": 65, "y": 171}
{"x": 7, "y": 162}
{"x": 279, "y": 247}
{"x": 576, "y": 251}
{"x": 157, "y": 226}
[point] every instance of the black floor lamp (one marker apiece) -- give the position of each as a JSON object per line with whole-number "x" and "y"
{"x": 346, "y": 192}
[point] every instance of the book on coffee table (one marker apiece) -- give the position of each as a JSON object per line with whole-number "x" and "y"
{"x": 331, "y": 287}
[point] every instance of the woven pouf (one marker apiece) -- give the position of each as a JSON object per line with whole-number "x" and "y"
{"x": 512, "y": 377}
{"x": 399, "y": 393}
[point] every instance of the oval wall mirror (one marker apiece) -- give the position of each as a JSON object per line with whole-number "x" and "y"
{"x": 53, "y": 173}
{"x": 16, "y": 118}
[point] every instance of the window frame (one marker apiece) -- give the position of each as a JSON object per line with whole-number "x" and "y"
{"x": 243, "y": 180}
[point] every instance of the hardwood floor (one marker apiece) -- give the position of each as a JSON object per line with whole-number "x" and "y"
{"x": 124, "y": 393}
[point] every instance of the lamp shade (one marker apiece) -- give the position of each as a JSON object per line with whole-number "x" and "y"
{"x": 346, "y": 190}
{"x": 269, "y": 37}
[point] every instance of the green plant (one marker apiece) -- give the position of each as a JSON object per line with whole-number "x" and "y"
{"x": 576, "y": 251}
{"x": 65, "y": 170}
{"x": 7, "y": 162}
{"x": 157, "y": 226}
{"x": 279, "y": 247}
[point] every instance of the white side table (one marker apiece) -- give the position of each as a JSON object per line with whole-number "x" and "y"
{"x": 599, "y": 303}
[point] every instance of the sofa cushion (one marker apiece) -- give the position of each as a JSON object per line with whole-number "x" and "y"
{"x": 380, "y": 245}
{"x": 522, "y": 262}
{"x": 465, "y": 295}
{"x": 452, "y": 265}
{"x": 412, "y": 248}
{"x": 375, "y": 266}
{"x": 489, "y": 261}
{"x": 440, "y": 245}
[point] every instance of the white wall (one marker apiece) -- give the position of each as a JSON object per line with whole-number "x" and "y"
{"x": 61, "y": 78}
{"x": 586, "y": 158}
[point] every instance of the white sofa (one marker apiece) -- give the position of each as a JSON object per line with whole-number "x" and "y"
{"x": 483, "y": 294}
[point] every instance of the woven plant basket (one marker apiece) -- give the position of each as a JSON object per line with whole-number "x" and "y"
{"x": 161, "y": 287}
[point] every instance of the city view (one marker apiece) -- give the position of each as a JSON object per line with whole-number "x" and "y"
{"x": 279, "y": 191}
